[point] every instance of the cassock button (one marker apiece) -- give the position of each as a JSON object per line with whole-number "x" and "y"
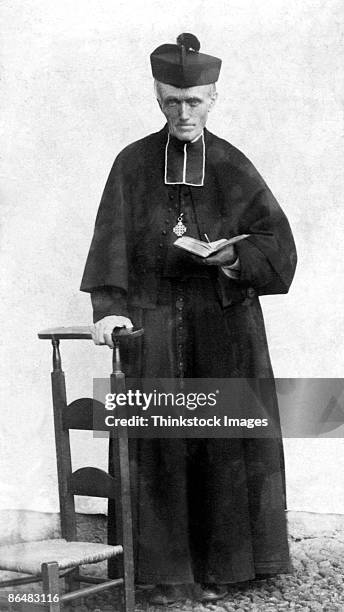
{"x": 161, "y": 245}
{"x": 251, "y": 293}
{"x": 164, "y": 232}
{"x": 171, "y": 196}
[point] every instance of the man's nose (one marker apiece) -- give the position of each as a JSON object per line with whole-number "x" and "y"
{"x": 184, "y": 110}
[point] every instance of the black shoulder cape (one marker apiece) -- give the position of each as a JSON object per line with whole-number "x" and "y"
{"x": 234, "y": 200}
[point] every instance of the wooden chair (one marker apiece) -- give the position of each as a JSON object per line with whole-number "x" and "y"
{"x": 49, "y": 560}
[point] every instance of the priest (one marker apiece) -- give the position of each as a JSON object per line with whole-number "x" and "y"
{"x": 208, "y": 512}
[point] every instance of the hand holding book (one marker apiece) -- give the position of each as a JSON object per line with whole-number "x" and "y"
{"x": 217, "y": 253}
{"x": 224, "y": 257}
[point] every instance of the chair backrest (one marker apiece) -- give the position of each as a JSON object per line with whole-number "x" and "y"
{"x": 90, "y": 481}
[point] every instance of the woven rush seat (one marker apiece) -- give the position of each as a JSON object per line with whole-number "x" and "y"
{"x": 27, "y": 557}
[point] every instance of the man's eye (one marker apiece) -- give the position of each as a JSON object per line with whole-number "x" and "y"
{"x": 194, "y": 103}
{"x": 171, "y": 103}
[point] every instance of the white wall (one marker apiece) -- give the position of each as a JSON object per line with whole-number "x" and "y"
{"x": 76, "y": 88}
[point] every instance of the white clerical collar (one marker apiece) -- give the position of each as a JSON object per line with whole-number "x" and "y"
{"x": 197, "y": 137}
{"x": 185, "y": 161}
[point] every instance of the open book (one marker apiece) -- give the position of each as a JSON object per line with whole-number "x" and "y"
{"x": 204, "y": 249}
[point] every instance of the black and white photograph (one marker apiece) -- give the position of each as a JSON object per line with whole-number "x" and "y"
{"x": 172, "y": 412}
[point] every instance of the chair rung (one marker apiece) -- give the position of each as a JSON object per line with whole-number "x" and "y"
{"x": 18, "y": 581}
{"x": 91, "y": 579}
{"x": 89, "y": 590}
{"x": 93, "y": 482}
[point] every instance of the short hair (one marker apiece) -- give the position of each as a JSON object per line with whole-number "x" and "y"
{"x": 158, "y": 94}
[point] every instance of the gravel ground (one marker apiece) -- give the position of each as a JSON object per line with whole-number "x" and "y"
{"x": 317, "y": 551}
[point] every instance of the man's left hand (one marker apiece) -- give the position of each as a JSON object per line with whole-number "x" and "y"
{"x": 224, "y": 257}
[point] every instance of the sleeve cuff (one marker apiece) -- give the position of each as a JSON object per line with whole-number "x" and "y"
{"x": 107, "y": 301}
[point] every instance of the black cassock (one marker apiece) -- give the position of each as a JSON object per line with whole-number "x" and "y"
{"x": 206, "y": 510}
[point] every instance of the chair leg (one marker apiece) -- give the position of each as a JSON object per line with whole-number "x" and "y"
{"x": 127, "y": 527}
{"x": 129, "y": 584}
{"x": 72, "y": 581}
{"x": 124, "y": 527}
{"x": 51, "y": 586}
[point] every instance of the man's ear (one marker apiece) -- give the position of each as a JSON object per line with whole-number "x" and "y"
{"x": 214, "y": 96}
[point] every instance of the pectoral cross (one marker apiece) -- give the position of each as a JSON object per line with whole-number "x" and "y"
{"x": 179, "y": 229}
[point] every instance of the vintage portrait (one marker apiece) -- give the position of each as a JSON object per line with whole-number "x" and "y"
{"x": 171, "y": 426}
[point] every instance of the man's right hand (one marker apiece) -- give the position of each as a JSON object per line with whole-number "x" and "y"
{"x": 102, "y": 330}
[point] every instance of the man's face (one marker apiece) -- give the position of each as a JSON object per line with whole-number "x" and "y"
{"x": 186, "y": 110}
